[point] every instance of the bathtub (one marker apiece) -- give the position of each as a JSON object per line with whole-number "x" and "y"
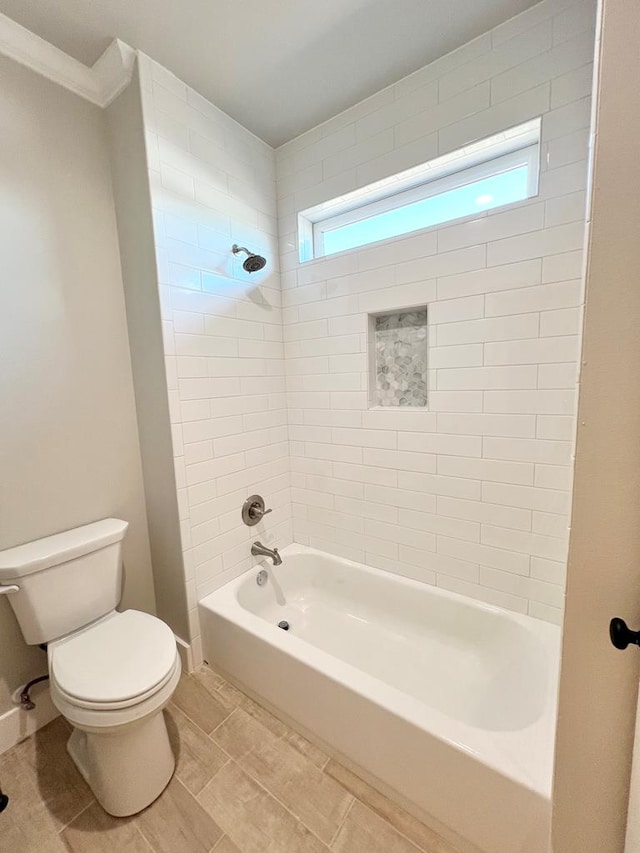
{"x": 446, "y": 703}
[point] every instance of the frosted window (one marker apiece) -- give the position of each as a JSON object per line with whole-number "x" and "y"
{"x": 503, "y": 188}
{"x": 486, "y": 174}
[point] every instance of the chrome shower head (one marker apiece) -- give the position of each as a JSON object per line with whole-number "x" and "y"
{"x": 252, "y": 263}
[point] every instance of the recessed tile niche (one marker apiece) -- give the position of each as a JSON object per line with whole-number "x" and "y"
{"x": 398, "y": 350}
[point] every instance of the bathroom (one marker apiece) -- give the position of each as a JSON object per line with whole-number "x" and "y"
{"x": 375, "y": 486}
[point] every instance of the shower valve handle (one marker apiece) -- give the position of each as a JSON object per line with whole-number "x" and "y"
{"x": 256, "y": 511}
{"x": 253, "y": 510}
{"x": 621, "y": 635}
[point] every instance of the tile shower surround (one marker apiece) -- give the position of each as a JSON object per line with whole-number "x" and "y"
{"x": 213, "y": 184}
{"x": 472, "y": 492}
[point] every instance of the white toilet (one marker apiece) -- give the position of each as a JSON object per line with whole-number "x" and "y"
{"x": 111, "y": 673}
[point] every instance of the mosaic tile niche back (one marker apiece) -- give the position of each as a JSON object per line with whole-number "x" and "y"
{"x": 401, "y": 358}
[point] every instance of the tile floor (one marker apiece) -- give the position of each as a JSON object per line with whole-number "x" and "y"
{"x": 244, "y": 783}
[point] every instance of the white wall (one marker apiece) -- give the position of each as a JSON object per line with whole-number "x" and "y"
{"x": 473, "y": 494}
{"x": 130, "y": 179}
{"x": 212, "y": 185}
{"x": 598, "y": 683}
{"x": 69, "y": 450}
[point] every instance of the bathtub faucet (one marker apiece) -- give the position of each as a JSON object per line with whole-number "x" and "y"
{"x": 260, "y": 550}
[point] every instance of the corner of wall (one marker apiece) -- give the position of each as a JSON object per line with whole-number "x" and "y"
{"x": 135, "y": 230}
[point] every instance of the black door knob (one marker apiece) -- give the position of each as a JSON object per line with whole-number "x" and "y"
{"x": 621, "y": 635}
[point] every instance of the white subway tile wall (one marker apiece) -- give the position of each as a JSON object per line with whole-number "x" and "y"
{"x": 474, "y": 493}
{"x": 213, "y": 185}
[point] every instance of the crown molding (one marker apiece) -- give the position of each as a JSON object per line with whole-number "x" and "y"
{"x": 100, "y": 83}
{"x": 113, "y": 71}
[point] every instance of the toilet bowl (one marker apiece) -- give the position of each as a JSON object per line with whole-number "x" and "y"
{"x": 111, "y": 682}
{"x": 111, "y": 672}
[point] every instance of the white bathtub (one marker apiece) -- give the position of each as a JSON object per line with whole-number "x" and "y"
{"x": 448, "y": 702}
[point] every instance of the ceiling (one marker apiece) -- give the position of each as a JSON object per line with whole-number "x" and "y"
{"x": 279, "y": 67}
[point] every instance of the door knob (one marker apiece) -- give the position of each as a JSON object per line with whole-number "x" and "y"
{"x": 621, "y": 635}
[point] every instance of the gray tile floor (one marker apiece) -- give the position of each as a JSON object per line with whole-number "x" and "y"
{"x": 244, "y": 783}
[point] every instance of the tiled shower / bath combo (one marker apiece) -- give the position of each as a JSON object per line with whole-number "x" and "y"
{"x": 270, "y": 377}
{"x": 352, "y": 462}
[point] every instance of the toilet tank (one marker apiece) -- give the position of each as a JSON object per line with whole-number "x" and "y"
{"x": 65, "y": 581}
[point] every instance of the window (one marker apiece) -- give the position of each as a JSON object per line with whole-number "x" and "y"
{"x": 499, "y": 170}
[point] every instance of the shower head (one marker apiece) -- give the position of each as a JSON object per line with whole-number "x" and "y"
{"x": 252, "y": 263}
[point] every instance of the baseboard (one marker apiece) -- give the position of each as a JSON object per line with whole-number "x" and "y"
{"x": 186, "y": 654}
{"x": 17, "y": 724}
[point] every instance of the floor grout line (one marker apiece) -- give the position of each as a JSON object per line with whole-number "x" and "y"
{"x": 224, "y": 752}
{"x": 289, "y": 730}
{"x": 342, "y": 823}
{"x": 219, "y": 841}
{"x": 395, "y": 828}
{"x": 199, "y": 794}
{"x": 278, "y": 800}
{"x": 141, "y": 831}
{"x": 382, "y": 817}
{"x": 191, "y": 720}
{"x": 213, "y": 731}
{"x": 81, "y": 812}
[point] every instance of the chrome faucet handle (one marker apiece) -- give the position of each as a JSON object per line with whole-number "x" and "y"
{"x": 253, "y": 510}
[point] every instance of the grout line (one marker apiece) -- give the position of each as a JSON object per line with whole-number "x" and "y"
{"x": 222, "y": 722}
{"x": 279, "y": 738}
{"x": 395, "y": 828}
{"x": 199, "y": 794}
{"x": 81, "y": 812}
{"x": 190, "y": 675}
{"x": 139, "y": 829}
{"x": 219, "y": 841}
{"x": 144, "y": 837}
{"x": 222, "y": 750}
{"x": 189, "y": 793}
{"x": 193, "y": 722}
{"x": 344, "y": 819}
{"x": 274, "y": 796}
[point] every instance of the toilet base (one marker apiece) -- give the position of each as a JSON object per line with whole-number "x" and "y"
{"x": 127, "y": 767}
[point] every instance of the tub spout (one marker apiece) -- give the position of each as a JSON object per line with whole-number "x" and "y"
{"x": 260, "y": 550}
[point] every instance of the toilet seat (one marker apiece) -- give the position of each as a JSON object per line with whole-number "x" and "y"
{"x": 101, "y": 720}
{"x": 118, "y": 662}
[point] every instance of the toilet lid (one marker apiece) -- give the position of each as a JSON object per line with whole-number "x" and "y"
{"x": 118, "y": 658}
